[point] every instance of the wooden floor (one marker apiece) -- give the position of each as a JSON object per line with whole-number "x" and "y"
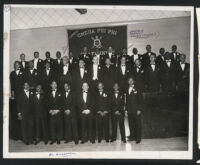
{"x": 164, "y": 144}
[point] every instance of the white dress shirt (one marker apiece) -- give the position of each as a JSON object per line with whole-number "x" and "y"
{"x": 23, "y": 64}
{"x": 38, "y": 95}
{"x": 65, "y": 69}
{"x": 138, "y": 69}
{"x": 35, "y": 61}
{"x": 47, "y": 71}
{"x": 110, "y": 55}
{"x": 174, "y": 55}
{"x": 27, "y": 93}
{"x": 95, "y": 72}
{"x": 54, "y": 93}
{"x": 66, "y": 94}
{"x": 85, "y": 96}
{"x": 182, "y": 66}
{"x": 31, "y": 71}
{"x": 58, "y": 61}
{"x": 130, "y": 89}
{"x": 17, "y": 72}
{"x": 116, "y": 94}
{"x": 98, "y": 56}
{"x": 168, "y": 63}
{"x": 82, "y": 70}
{"x": 123, "y": 67}
{"x": 149, "y": 53}
{"x": 153, "y": 67}
{"x": 135, "y": 57}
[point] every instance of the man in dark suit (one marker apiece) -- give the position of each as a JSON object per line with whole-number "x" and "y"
{"x": 38, "y": 63}
{"x": 58, "y": 64}
{"x": 168, "y": 74}
{"x": 40, "y": 115}
{"x": 23, "y": 62}
{"x": 134, "y": 108}
{"x": 79, "y": 76}
{"x": 16, "y": 80}
{"x": 73, "y": 62}
{"x": 174, "y": 54}
{"x": 95, "y": 74}
{"x": 84, "y": 55}
{"x": 161, "y": 57}
{"x": 66, "y": 74}
{"x": 32, "y": 76}
{"x": 123, "y": 54}
{"x": 123, "y": 72}
{"x": 102, "y": 112}
{"x": 49, "y": 59}
{"x": 85, "y": 103}
{"x": 53, "y": 104}
{"x": 111, "y": 55}
{"x": 138, "y": 73}
{"x": 70, "y": 120}
{"x": 146, "y": 56}
{"x": 46, "y": 78}
{"x": 117, "y": 113}
{"x": 25, "y": 114}
{"x": 134, "y": 57}
{"x": 108, "y": 75}
{"x": 152, "y": 75}
{"x": 100, "y": 57}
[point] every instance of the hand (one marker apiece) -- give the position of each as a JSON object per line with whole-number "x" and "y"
{"x": 138, "y": 112}
{"x": 19, "y": 116}
{"x": 67, "y": 112}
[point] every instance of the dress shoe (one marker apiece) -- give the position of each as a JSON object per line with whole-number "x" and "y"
{"x": 99, "y": 141}
{"x": 66, "y": 141}
{"x": 92, "y": 141}
{"x": 52, "y": 142}
{"x": 124, "y": 141}
{"x": 58, "y": 142}
{"x": 138, "y": 141}
{"x": 107, "y": 141}
{"x": 82, "y": 142}
{"x": 112, "y": 140}
{"x": 46, "y": 142}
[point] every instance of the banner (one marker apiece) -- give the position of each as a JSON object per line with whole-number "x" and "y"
{"x": 97, "y": 38}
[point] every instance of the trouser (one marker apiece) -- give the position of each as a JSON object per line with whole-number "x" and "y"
{"x": 135, "y": 126}
{"x": 115, "y": 120}
{"x": 103, "y": 126}
{"x": 27, "y": 129}
{"x": 56, "y": 127}
{"x": 41, "y": 126}
{"x": 70, "y": 128}
{"x": 87, "y": 127}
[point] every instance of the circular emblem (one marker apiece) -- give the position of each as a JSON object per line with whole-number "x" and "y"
{"x": 96, "y": 42}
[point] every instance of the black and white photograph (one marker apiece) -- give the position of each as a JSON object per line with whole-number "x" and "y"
{"x": 99, "y": 82}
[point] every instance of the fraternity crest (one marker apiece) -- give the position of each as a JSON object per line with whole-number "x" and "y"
{"x": 96, "y": 42}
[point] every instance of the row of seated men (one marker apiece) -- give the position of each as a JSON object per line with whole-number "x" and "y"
{"x": 169, "y": 75}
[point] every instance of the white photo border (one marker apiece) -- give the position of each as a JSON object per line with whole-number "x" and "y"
{"x": 93, "y": 155}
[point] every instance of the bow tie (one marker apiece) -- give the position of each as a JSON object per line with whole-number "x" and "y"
{"x": 53, "y": 90}
{"x": 123, "y": 65}
{"x": 85, "y": 92}
{"x": 116, "y": 92}
{"x": 182, "y": 63}
{"x": 26, "y": 91}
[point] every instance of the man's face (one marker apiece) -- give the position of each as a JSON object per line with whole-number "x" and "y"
{"x": 130, "y": 81}
{"x": 174, "y": 48}
{"x": 38, "y": 89}
{"x": 137, "y": 62}
{"x": 58, "y": 55}
{"x": 152, "y": 58}
{"x": 116, "y": 87}
{"x": 66, "y": 87}
{"x": 162, "y": 51}
{"x": 47, "y": 66}
{"x": 95, "y": 60}
{"x": 100, "y": 86}
{"x": 107, "y": 62}
{"x": 148, "y": 48}
{"x": 22, "y": 57}
{"x": 47, "y": 55}
{"x": 123, "y": 60}
{"x": 54, "y": 85}
{"x": 17, "y": 66}
{"x": 182, "y": 58}
{"x": 85, "y": 87}
{"x": 26, "y": 86}
{"x": 31, "y": 65}
{"x": 135, "y": 51}
{"x": 65, "y": 60}
{"x": 36, "y": 55}
{"x": 81, "y": 64}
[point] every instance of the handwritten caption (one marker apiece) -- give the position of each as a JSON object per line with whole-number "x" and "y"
{"x": 140, "y": 34}
{"x": 61, "y": 154}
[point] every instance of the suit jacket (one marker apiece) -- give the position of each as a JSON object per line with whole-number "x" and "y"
{"x": 73, "y": 62}
{"x": 109, "y": 76}
{"x": 24, "y": 67}
{"x": 24, "y": 105}
{"x": 57, "y": 67}
{"x": 152, "y": 78}
{"x": 39, "y": 106}
{"x": 117, "y": 104}
{"x": 102, "y": 101}
{"x": 133, "y": 101}
{"x": 32, "y": 79}
{"x": 89, "y": 104}
{"x": 87, "y": 59}
{"x": 16, "y": 82}
{"x": 131, "y": 59}
{"x": 123, "y": 79}
{"x": 40, "y": 65}
{"x": 77, "y": 80}
{"x": 146, "y": 59}
{"x": 177, "y": 59}
{"x": 65, "y": 78}
{"x": 53, "y": 103}
{"x": 160, "y": 60}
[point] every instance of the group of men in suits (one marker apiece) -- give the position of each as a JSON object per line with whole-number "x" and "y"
{"x": 76, "y": 98}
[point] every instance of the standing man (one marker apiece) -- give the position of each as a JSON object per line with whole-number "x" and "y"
{"x": 99, "y": 57}
{"x": 117, "y": 113}
{"x": 111, "y": 55}
{"x": 49, "y": 59}
{"x": 102, "y": 112}
{"x": 40, "y": 115}
{"x": 161, "y": 58}
{"x": 85, "y": 56}
{"x": 58, "y": 64}
{"x": 146, "y": 56}
{"x": 134, "y": 57}
{"x": 72, "y": 60}
{"x": 70, "y": 120}
{"x": 25, "y": 114}
{"x": 174, "y": 54}
{"x": 55, "y": 113}
{"x": 86, "y": 104}
{"x": 23, "y": 62}
{"x": 38, "y": 63}
{"x": 133, "y": 106}
{"x": 31, "y": 76}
